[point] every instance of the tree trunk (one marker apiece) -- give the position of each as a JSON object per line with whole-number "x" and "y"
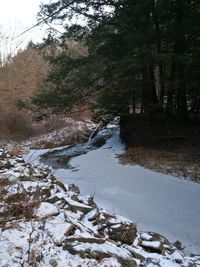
{"x": 182, "y": 100}
{"x": 149, "y": 90}
{"x": 159, "y": 50}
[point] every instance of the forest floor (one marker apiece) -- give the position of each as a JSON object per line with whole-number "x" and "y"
{"x": 167, "y": 146}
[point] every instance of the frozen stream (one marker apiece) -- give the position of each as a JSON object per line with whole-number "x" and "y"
{"x": 156, "y": 202}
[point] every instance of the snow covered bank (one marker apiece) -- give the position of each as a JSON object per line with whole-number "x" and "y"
{"x": 72, "y": 132}
{"x": 46, "y": 223}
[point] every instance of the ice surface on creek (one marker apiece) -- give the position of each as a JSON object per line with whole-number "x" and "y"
{"x": 157, "y": 202}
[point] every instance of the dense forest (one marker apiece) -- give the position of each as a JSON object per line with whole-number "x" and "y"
{"x": 134, "y": 56}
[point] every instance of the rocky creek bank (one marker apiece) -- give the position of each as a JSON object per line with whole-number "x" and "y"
{"x": 46, "y": 223}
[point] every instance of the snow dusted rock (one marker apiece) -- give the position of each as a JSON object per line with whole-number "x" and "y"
{"x": 2, "y": 155}
{"x": 177, "y": 256}
{"x": 5, "y": 165}
{"x": 53, "y": 200}
{"x": 73, "y": 188}
{"x": 46, "y": 210}
{"x": 59, "y": 185}
{"x": 145, "y": 236}
{"x": 77, "y": 206}
{"x": 151, "y": 263}
{"x": 58, "y": 229}
{"x": 150, "y": 236}
{"x": 93, "y": 215}
{"x": 101, "y": 251}
{"x": 83, "y": 239}
{"x": 123, "y": 232}
{"x": 155, "y": 242}
{"x": 153, "y": 246}
{"x": 178, "y": 245}
{"x": 190, "y": 263}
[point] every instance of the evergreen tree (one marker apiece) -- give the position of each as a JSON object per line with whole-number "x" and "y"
{"x": 143, "y": 52}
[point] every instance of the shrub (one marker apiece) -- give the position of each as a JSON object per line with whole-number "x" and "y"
{"x": 15, "y": 126}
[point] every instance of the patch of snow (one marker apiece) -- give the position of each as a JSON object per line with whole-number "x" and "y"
{"x": 46, "y": 209}
{"x": 177, "y": 256}
{"x": 145, "y": 236}
{"x": 57, "y": 229}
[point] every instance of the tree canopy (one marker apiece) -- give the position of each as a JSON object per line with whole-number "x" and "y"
{"x": 138, "y": 54}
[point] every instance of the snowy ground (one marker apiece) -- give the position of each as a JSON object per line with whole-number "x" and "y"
{"x": 156, "y": 202}
{"x": 44, "y": 223}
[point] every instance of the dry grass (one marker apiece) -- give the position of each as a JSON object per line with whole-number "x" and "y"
{"x": 16, "y": 198}
{"x": 17, "y": 205}
{"x": 168, "y": 162}
{"x": 62, "y": 138}
{"x": 43, "y": 144}
{"x": 15, "y": 150}
{"x": 4, "y": 182}
{"x": 15, "y": 125}
{"x": 46, "y": 144}
{"x": 20, "y": 210}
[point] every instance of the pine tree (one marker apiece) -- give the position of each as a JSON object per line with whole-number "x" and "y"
{"x": 136, "y": 52}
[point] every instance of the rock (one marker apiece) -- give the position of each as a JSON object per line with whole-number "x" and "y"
{"x": 178, "y": 245}
{"x": 53, "y": 262}
{"x": 5, "y": 165}
{"x": 60, "y": 184}
{"x": 46, "y": 209}
{"x": 177, "y": 256}
{"x": 76, "y": 206}
{"x": 73, "y": 188}
{"x": 58, "y": 230}
{"x": 91, "y": 201}
{"x": 156, "y": 242}
{"x": 45, "y": 192}
{"x": 151, "y": 263}
{"x": 145, "y": 236}
{"x": 153, "y": 246}
{"x": 18, "y": 160}
{"x": 100, "y": 252}
{"x": 93, "y": 215}
{"x": 124, "y": 232}
{"x": 135, "y": 254}
{"x": 90, "y": 240}
{"x": 190, "y": 263}
{"x": 2, "y": 156}
{"x": 53, "y": 200}
{"x": 70, "y": 230}
{"x": 87, "y": 253}
{"x": 75, "y": 198}
{"x": 158, "y": 237}
{"x": 127, "y": 262}
{"x": 27, "y": 178}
